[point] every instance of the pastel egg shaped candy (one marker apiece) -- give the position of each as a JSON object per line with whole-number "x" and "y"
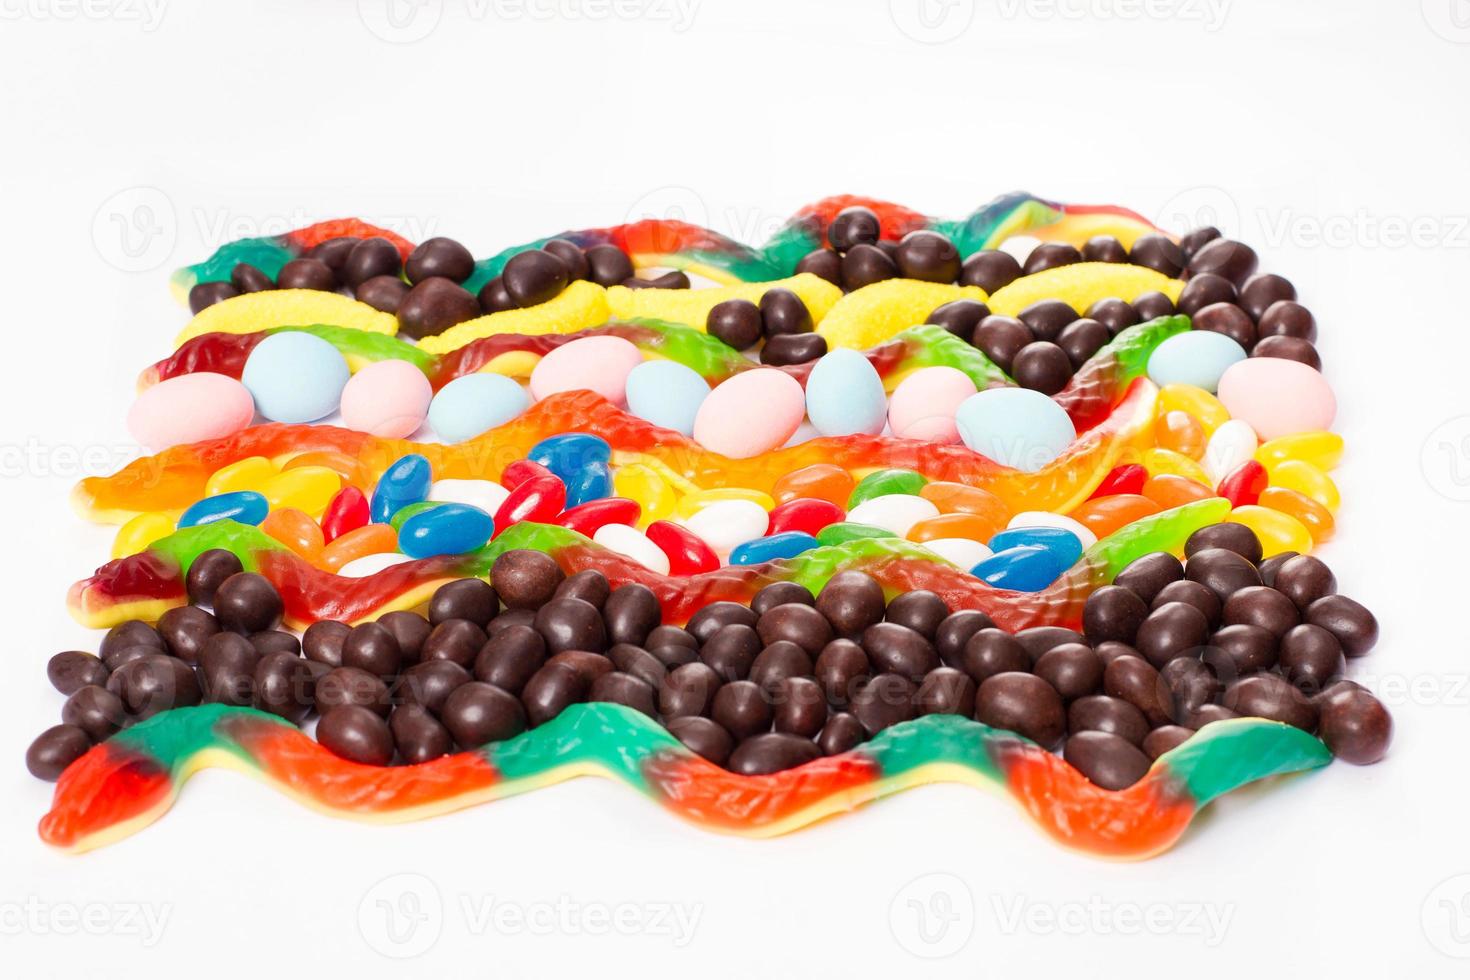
{"x": 844, "y": 395}
{"x": 468, "y": 406}
{"x": 445, "y": 529}
{"x": 751, "y": 413}
{"x": 1016, "y": 427}
{"x": 295, "y": 377}
{"x": 600, "y": 364}
{"x": 1277, "y": 397}
{"x": 666, "y": 393}
{"x": 726, "y": 524}
{"x": 389, "y": 399}
{"x": 896, "y": 512}
{"x": 1196, "y": 358}
{"x": 924, "y": 404}
{"x": 190, "y": 408}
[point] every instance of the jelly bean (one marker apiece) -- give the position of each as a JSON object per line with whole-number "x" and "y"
{"x": 881, "y": 483}
{"x": 1043, "y": 518}
{"x": 1232, "y": 443}
{"x": 1278, "y": 397}
{"x": 787, "y": 544}
{"x": 1104, "y": 515}
{"x": 1158, "y": 461}
{"x": 370, "y": 539}
{"x": 666, "y": 393}
{"x": 1306, "y": 479}
{"x": 1026, "y": 568}
{"x": 140, "y": 532}
{"x": 593, "y": 483}
{"x": 445, "y": 529}
{"x": 1128, "y": 478}
{"x": 371, "y": 564}
{"x": 244, "y": 506}
{"x": 725, "y": 524}
{"x": 307, "y": 488}
{"x": 823, "y": 481}
{"x": 808, "y": 514}
{"x": 587, "y": 518}
{"x": 349, "y": 468}
{"x": 405, "y": 482}
{"x": 924, "y": 404}
{"x": 475, "y": 403}
{"x": 1205, "y": 407}
{"x": 1244, "y": 485}
{"x": 1016, "y": 427}
{"x": 1322, "y": 449}
{"x": 539, "y": 500}
{"x": 1180, "y": 432}
{"x": 190, "y": 408}
{"x": 844, "y": 531}
{"x": 295, "y": 377}
{"x": 953, "y": 498}
{"x": 403, "y": 513}
{"x": 972, "y": 527}
{"x": 520, "y": 471}
{"x": 388, "y": 398}
{"x": 898, "y": 512}
{"x": 692, "y": 503}
{"x": 844, "y": 395}
{"x": 1315, "y": 518}
{"x": 568, "y": 454}
{"x": 652, "y": 492}
{"x": 484, "y": 494}
{"x": 1197, "y": 358}
{"x": 249, "y": 473}
{"x": 686, "y": 551}
{"x": 296, "y": 530}
{"x": 347, "y": 512}
{"x": 960, "y": 552}
{"x": 601, "y": 364}
{"x": 635, "y": 544}
{"x": 1169, "y": 490}
{"x": 1065, "y": 546}
{"x": 1278, "y": 531}
{"x": 750, "y": 413}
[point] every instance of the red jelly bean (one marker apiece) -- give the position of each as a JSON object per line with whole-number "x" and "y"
{"x": 688, "y": 554}
{"x": 1121, "y": 479}
{"x": 347, "y": 511}
{"x": 519, "y": 472}
{"x": 1244, "y": 484}
{"x": 809, "y": 514}
{"x": 587, "y": 518}
{"x": 539, "y": 499}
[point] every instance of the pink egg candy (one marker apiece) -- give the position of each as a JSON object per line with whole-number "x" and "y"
{"x": 599, "y": 364}
{"x": 924, "y": 404}
{"x": 190, "y": 408}
{"x": 1277, "y": 397}
{"x": 750, "y": 413}
{"x": 389, "y": 399}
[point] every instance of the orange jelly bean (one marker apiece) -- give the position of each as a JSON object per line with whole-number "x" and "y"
{"x": 953, "y": 498}
{"x": 1318, "y": 520}
{"x": 972, "y": 527}
{"x": 370, "y": 539}
{"x": 1104, "y": 515}
{"x": 1170, "y": 490}
{"x": 823, "y": 481}
{"x": 296, "y": 530}
{"x": 1181, "y": 432}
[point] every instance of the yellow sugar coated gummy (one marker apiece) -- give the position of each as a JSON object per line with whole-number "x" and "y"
{"x": 250, "y": 473}
{"x": 1205, "y": 407}
{"x": 868, "y": 316}
{"x": 1161, "y": 462}
{"x": 251, "y": 312}
{"x": 1081, "y": 284}
{"x": 142, "y": 531}
{"x": 1278, "y": 531}
{"x": 1307, "y": 480}
{"x": 306, "y": 488}
{"x": 691, "y": 306}
{"x": 1321, "y": 449}
{"x": 652, "y": 492}
{"x": 580, "y": 306}
{"x": 693, "y": 503}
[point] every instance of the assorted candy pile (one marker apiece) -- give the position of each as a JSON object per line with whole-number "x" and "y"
{"x": 897, "y": 499}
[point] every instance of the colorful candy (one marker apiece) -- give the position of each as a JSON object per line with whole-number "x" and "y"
{"x": 1277, "y": 397}
{"x": 476, "y": 403}
{"x": 241, "y": 506}
{"x": 295, "y": 377}
{"x": 1198, "y": 358}
{"x": 600, "y": 364}
{"x": 445, "y": 529}
{"x": 925, "y": 403}
{"x": 666, "y": 393}
{"x": 389, "y": 399}
{"x": 405, "y": 482}
{"x": 1016, "y": 427}
{"x": 188, "y": 409}
{"x": 844, "y": 395}
{"x": 750, "y": 414}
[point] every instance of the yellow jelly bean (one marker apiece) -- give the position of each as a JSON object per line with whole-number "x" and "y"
{"x": 1322, "y": 449}
{"x": 1205, "y": 407}
{"x": 691, "y": 504}
{"x": 1161, "y": 462}
{"x": 296, "y": 530}
{"x": 1306, "y": 479}
{"x": 140, "y": 532}
{"x": 250, "y": 473}
{"x": 652, "y": 492}
{"x": 1315, "y": 518}
{"x": 305, "y": 488}
{"x": 1277, "y": 530}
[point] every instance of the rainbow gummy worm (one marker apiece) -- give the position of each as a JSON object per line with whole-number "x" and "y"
{"x": 129, "y": 781}
{"x": 148, "y": 584}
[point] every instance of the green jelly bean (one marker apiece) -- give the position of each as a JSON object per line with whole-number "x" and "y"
{"x": 404, "y": 513}
{"x": 844, "y": 531}
{"x": 881, "y": 483}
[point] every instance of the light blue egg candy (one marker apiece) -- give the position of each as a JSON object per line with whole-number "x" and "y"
{"x": 295, "y": 377}
{"x": 1196, "y": 358}
{"x": 1016, "y": 427}
{"x": 844, "y": 395}
{"x": 470, "y": 405}
{"x": 666, "y": 393}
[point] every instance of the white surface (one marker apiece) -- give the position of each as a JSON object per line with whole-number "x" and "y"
{"x": 1333, "y": 138}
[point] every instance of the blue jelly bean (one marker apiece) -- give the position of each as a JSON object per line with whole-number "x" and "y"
{"x": 569, "y": 454}
{"x": 593, "y": 483}
{"x": 243, "y": 506}
{"x": 787, "y": 544}
{"x": 1065, "y": 544}
{"x": 666, "y": 393}
{"x": 406, "y": 482}
{"x": 1025, "y": 568}
{"x": 447, "y": 529}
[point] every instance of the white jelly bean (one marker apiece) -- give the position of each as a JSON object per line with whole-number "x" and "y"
{"x": 959, "y": 551}
{"x": 896, "y": 512}
{"x": 725, "y": 524}
{"x": 1232, "y": 444}
{"x": 370, "y": 564}
{"x": 484, "y": 494}
{"x": 1042, "y": 518}
{"x": 630, "y": 541}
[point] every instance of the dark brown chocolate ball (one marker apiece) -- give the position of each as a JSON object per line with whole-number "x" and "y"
{"x": 208, "y": 572}
{"x": 1022, "y": 703}
{"x": 1042, "y": 366}
{"x": 357, "y": 735}
{"x": 384, "y": 293}
{"x": 853, "y": 226}
{"x": 439, "y": 257}
{"x": 990, "y": 270}
{"x": 535, "y": 276}
{"x": 55, "y": 749}
{"x": 307, "y": 273}
{"x": 864, "y": 265}
{"x": 1106, "y": 760}
{"x": 1159, "y": 253}
{"x": 737, "y": 322}
{"x": 1354, "y": 724}
{"x": 370, "y": 257}
{"x": 608, "y": 265}
{"x": 477, "y": 714}
{"x": 928, "y": 256}
{"x": 433, "y": 306}
{"x": 1050, "y": 255}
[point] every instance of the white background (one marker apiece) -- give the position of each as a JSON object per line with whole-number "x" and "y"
{"x": 139, "y": 139}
